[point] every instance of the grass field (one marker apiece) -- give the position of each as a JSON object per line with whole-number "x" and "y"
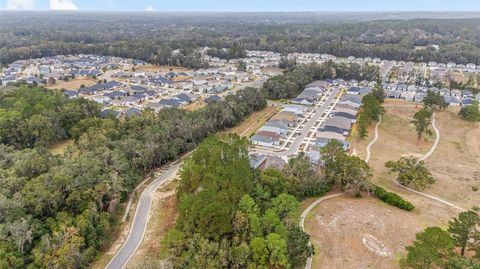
{"x": 255, "y": 121}
{"x": 366, "y": 226}
{"x": 456, "y": 162}
{"x": 72, "y": 84}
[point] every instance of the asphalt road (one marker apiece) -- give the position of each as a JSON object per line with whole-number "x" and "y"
{"x": 295, "y": 146}
{"x": 140, "y": 220}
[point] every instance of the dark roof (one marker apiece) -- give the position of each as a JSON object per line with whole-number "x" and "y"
{"x": 115, "y": 94}
{"x": 213, "y": 98}
{"x": 183, "y": 97}
{"x": 169, "y": 103}
{"x": 345, "y": 115}
{"x": 136, "y": 88}
{"x": 133, "y": 111}
{"x": 109, "y": 113}
{"x": 333, "y": 129}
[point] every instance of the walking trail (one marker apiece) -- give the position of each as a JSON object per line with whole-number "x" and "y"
{"x": 308, "y": 265}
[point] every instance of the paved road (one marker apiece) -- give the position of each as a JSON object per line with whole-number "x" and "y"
{"x": 295, "y": 146}
{"x": 139, "y": 223}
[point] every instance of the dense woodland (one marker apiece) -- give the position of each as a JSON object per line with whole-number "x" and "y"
{"x": 154, "y": 36}
{"x": 57, "y": 211}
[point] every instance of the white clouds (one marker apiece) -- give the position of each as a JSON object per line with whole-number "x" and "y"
{"x": 62, "y": 5}
{"x": 149, "y": 8}
{"x": 20, "y": 4}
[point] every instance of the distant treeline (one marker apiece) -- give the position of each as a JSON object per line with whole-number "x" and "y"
{"x": 154, "y": 37}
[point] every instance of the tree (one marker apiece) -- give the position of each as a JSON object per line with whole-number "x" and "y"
{"x": 411, "y": 172}
{"x": 463, "y": 229}
{"x": 431, "y": 249}
{"x": 350, "y": 173}
{"x": 471, "y": 112}
{"x": 421, "y": 121}
{"x": 434, "y": 101}
{"x": 299, "y": 250}
{"x": 241, "y": 66}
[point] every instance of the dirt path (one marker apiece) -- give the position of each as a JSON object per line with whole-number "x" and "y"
{"x": 437, "y": 139}
{"x": 367, "y": 159}
{"x": 428, "y": 154}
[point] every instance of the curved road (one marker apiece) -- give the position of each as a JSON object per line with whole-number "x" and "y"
{"x": 140, "y": 219}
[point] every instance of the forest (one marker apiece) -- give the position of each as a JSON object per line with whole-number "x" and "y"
{"x": 172, "y": 39}
{"x": 58, "y": 211}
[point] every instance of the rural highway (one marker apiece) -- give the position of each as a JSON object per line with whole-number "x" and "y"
{"x": 140, "y": 219}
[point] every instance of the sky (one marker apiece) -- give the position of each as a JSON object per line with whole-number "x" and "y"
{"x": 244, "y": 5}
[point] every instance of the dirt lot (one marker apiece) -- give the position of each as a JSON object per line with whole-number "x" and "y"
{"x": 162, "y": 218}
{"x": 361, "y": 233}
{"x": 255, "y": 121}
{"x": 73, "y": 84}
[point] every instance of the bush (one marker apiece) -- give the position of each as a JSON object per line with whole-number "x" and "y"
{"x": 393, "y": 199}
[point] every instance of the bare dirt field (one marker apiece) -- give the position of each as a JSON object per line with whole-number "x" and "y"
{"x": 255, "y": 121}
{"x": 455, "y": 164}
{"x": 73, "y": 84}
{"x": 361, "y": 233}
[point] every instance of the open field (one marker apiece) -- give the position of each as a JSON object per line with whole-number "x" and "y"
{"x": 376, "y": 233}
{"x": 361, "y": 233}
{"x": 456, "y": 162}
{"x": 255, "y": 121}
{"x": 162, "y": 218}
{"x": 72, "y": 84}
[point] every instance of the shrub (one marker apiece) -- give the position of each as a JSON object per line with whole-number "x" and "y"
{"x": 393, "y": 199}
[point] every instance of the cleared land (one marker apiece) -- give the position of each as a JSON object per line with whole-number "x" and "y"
{"x": 255, "y": 121}
{"x": 73, "y": 84}
{"x": 361, "y": 233}
{"x": 456, "y": 162}
{"x": 375, "y": 233}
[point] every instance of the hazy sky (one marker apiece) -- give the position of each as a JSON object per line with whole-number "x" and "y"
{"x": 247, "y": 5}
